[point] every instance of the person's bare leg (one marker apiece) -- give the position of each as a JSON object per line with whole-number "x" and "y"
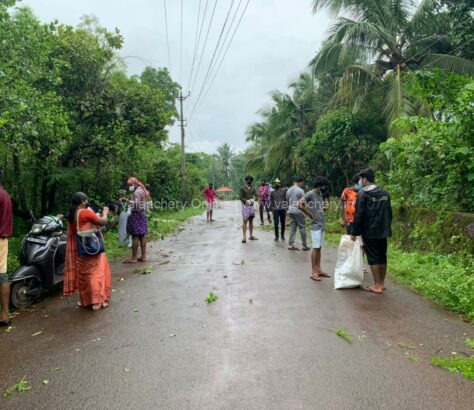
{"x": 135, "y": 244}
{"x": 376, "y": 287}
{"x": 208, "y": 213}
{"x": 251, "y": 228}
{"x": 244, "y": 230}
{"x": 143, "y": 248}
{"x": 383, "y": 273}
{"x": 314, "y": 262}
{"x": 5, "y": 299}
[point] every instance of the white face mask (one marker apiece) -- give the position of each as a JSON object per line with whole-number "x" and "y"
{"x": 131, "y": 188}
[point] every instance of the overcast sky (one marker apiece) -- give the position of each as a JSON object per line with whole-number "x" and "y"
{"x": 272, "y": 46}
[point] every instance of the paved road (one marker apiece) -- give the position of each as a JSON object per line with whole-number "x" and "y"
{"x": 269, "y": 341}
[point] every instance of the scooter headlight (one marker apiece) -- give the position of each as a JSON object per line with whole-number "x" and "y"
{"x": 37, "y": 228}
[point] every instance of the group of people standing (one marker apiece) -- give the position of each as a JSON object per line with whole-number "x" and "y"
{"x": 90, "y": 275}
{"x": 366, "y": 212}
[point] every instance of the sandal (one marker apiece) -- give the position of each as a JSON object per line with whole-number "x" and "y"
{"x": 244, "y": 241}
{"x": 130, "y": 261}
{"x": 253, "y": 238}
{"x": 141, "y": 259}
{"x": 324, "y": 275}
{"x": 293, "y": 248}
{"x": 96, "y": 307}
{"x": 315, "y": 278}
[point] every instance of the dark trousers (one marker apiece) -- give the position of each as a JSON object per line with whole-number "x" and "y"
{"x": 264, "y": 205}
{"x": 279, "y": 217}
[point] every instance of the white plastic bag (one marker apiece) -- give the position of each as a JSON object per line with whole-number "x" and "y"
{"x": 349, "y": 271}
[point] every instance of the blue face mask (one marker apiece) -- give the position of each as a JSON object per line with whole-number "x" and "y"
{"x": 360, "y": 185}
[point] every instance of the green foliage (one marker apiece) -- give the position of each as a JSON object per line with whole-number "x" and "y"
{"x": 211, "y": 298}
{"x": 378, "y": 43}
{"x": 343, "y": 334}
{"x": 448, "y": 280}
{"x": 21, "y": 387}
{"x": 342, "y": 145}
{"x": 456, "y": 364}
{"x": 71, "y": 119}
{"x": 432, "y": 164}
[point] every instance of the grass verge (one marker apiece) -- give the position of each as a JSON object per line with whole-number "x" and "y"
{"x": 160, "y": 224}
{"x": 457, "y": 364}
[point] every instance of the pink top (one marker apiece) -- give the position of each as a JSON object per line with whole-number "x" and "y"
{"x": 209, "y": 194}
{"x": 264, "y": 193}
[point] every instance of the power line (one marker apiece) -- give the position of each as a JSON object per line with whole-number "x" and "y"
{"x": 205, "y": 43}
{"x": 220, "y": 62}
{"x": 197, "y": 38}
{"x": 167, "y": 37}
{"x": 206, "y": 77}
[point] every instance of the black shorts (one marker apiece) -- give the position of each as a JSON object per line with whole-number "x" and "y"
{"x": 349, "y": 229}
{"x": 376, "y": 250}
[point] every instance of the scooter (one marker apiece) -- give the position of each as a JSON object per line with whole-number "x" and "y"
{"x": 42, "y": 258}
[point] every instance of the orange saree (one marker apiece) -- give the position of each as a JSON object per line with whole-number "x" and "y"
{"x": 88, "y": 275}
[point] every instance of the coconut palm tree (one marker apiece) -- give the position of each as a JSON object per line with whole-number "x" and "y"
{"x": 377, "y": 42}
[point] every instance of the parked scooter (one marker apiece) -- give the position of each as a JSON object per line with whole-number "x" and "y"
{"x": 42, "y": 258}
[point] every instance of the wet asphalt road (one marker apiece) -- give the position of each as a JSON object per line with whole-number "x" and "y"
{"x": 269, "y": 341}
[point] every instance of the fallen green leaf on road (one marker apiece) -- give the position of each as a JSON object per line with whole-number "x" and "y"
{"x": 21, "y": 387}
{"x": 45, "y": 382}
{"x": 172, "y": 335}
{"x": 126, "y": 370}
{"x": 56, "y": 369}
{"x": 242, "y": 262}
{"x": 251, "y": 301}
{"x": 344, "y": 335}
{"x": 211, "y": 298}
{"x": 143, "y": 271}
{"x": 406, "y": 346}
{"x": 413, "y": 358}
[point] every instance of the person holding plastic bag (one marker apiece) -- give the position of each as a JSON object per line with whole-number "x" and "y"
{"x": 373, "y": 221}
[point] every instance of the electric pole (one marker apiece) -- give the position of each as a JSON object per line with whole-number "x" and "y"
{"x": 184, "y": 181}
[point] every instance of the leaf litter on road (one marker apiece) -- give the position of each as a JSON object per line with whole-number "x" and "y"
{"x": 211, "y": 298}
{"x": 343, "y": 334}
{"x": 21, "y": 387}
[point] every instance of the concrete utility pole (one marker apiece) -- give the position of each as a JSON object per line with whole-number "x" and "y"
{"x": 184, "y": 181}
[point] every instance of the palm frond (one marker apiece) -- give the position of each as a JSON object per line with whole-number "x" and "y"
{"x": 451, "y": 63}
{"x": 398, "y": 101}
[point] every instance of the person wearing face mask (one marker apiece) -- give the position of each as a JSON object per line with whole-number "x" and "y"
{"x": 137, "y": 223}
{"x": 89, "y": 275}
{"x": 373, "y": 221}
{"x": 248, "y": 196}
{"x": 314, "y": 201}
{"x": 263, "y": 198}
{"x": 278, "y": 206}
{"x": 348, "y": 200}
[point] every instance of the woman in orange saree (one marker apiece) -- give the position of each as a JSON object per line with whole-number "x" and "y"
{"x": 89, "y": 275}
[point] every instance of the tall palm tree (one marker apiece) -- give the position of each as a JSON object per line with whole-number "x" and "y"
{"x": 377, "y": 42}
{"x": 225, "y": 154}
{"x": 289, "y": 121}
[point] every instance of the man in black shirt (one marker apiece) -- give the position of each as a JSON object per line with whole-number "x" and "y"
{"x": 373, "y": 220}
